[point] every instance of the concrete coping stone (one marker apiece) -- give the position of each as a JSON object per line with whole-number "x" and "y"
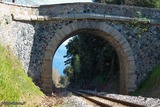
{"x": 83, "y": 16}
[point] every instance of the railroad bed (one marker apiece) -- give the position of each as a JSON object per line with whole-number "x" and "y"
{"x": 104, "y": 101}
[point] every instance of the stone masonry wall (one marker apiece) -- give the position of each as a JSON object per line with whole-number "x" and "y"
{"x": 28, "y": 39}
{"x": 97, "y": 8}
{"x": 18, "y": 36}
{"x": 145, "y": 48}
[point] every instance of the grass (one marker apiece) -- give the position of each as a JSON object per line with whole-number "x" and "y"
{"x": 151, "y": 86}
{"x": 16, "y": 88}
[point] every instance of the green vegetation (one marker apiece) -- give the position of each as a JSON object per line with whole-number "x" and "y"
{"x": 139, "y": 28}
{"x": 92, "y": 62}
{"x": 151, "y": 86}
{"x": 15, "y": 86}
{"x": 141, "y": 3}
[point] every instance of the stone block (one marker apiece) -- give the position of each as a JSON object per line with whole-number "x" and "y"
{"x": 40, "y": 18}
{"x": 47, "y": 90}
{"x": 47, "y": 74}
{"x": 65, "y": 31}
{"x": 131, "y": 79}
{"x": 49, "y": 50}
{"x": 93, "y": 25}
{"x": 125, "y": 46}
{"x": 59, "y": 34}
{"x": 47, "y": 81}
{"x": 85, "y": 24}
{"x": 105, "y": 27}
{"x": 109, "y": 30}
{"x": 47, "y": 70}
{"x": 80, "y": 24}
{"x": 131, "y": 58}
{"x": 132, "y": 65}
{"x": 101, "y": 25}
{"x": 132, "y": 88}
{"x": 72, "y": 26}
{"x": 55, "y": 40}
{"x": 33, "y": 17}
{"x": 128, "y": 52}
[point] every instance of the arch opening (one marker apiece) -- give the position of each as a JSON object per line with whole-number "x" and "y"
{"x": 92, "y": 64}
{"x": 104, "y": 31}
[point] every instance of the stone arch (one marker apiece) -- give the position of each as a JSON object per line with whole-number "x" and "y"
{"x": 111, "y": 35}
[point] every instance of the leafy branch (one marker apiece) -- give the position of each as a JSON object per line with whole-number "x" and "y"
{"x": 136, "y": 26}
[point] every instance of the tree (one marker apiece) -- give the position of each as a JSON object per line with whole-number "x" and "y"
{"x": 88, "y": 57}
{"x": 111, "y": 1}
{"x": 147, "y": 3}
{"x": 68, "y": 71}
{"x": 63, "y": 80}
{"x": 142, "y": 3}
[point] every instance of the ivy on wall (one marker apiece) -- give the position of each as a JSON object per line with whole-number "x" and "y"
{"x": 138, "y": 28}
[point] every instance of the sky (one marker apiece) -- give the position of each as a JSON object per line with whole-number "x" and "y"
{"x": 58, "y": 60}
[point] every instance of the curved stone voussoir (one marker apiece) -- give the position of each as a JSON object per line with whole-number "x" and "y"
{"x": 117, "y": 35}
{"x": 82, "y": 24}
{"x": 59, "y": 33}
{"x": 54, "y": 44}
{"x": 122, "y": 42}
{"x": 74, "y": 26}
{"x": 65, "y": 31}
{"x": 102, "y": 26}
{"x": 109, "y": 30}
{"x": 48, "y": 50}
{"x": 86, "y": 24}
{"x": 93, "y": 25}
{"x": 71, "y": 27}
{"x": 126, "y": 46}
{"x": 131, "y": 87}
{"x": 49, "y": 54}
{"x": 131, "y": 79}
{"x": 105, "y": 27}
{"x": 128, "y": 52}
{"x": 57, "y": 39}
{"x": 130, "y": 58}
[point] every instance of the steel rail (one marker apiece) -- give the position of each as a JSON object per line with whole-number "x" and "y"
{"x": 84, "y": 94}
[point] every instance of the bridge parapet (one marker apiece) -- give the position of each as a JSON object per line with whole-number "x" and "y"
{"x": 17, "y": 9}
{"x": 57, "y": 10}
{"x": 97, "y": 8}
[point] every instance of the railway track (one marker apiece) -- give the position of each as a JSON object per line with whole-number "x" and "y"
{"x": 104, "y": 101}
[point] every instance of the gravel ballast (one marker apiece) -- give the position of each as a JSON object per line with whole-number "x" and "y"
{"x": 75, "y": 101}
{"x": 148, "y": 102}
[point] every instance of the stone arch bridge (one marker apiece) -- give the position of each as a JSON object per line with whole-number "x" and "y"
{"x": 33, "y": 33}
